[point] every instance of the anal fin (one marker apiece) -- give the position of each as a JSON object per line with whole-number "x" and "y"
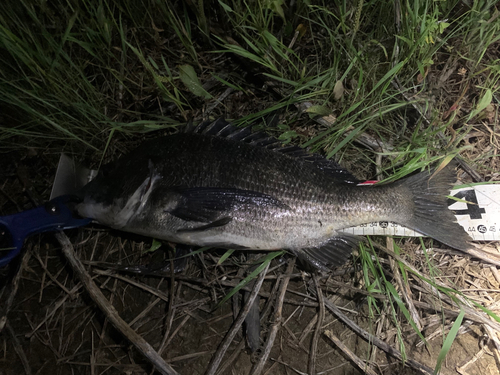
{"x": 331, "y": 253}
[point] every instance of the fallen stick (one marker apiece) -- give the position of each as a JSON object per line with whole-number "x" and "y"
{"x": 9, "y": 290}
{"x": 217, "y": 358}
{"x": 109, "y": 310}
{"x": 319, "y": 324}
{"x": 19, "y": 349}
{"x": 360, "y": 364}
{"x": 372, "y": 339}
{"x": 470, "y": 312}
{"x": 259, "y": 366}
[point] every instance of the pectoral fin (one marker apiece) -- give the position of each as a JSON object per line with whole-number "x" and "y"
{"x": 214, "y": 224}
{"x": 207, "y": 204}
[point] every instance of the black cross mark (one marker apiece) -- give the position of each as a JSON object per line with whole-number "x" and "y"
{"x": 473, "y": 209}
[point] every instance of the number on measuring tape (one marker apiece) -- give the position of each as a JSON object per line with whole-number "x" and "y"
{"x": 473, "y": 209}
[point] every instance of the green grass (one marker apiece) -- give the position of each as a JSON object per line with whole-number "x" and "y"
{"x": 77, "y": 74}
{"x": 375, "y": 280}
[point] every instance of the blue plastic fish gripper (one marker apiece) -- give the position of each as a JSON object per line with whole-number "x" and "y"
{"x": 52, "y": 216}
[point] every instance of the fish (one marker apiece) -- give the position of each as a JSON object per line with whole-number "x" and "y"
{"x": 219, "y": 185}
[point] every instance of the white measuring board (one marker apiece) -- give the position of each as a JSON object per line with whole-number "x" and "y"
{"x": 480, "y": 216}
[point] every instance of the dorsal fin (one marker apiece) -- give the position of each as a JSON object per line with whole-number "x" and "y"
{"x": 223, "y": 129}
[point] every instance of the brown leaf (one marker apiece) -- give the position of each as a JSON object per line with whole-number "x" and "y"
{"x": 338, "y": 90}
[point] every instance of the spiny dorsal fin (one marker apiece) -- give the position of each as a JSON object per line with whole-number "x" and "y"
{"x": 222, "y": 128}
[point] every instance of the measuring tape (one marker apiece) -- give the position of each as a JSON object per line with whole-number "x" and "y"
{"x": 478, "y": 214}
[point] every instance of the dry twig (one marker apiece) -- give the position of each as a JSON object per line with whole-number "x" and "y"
{"x": 360, "y": 364}
{"x": 317, "y": 331}
{"x": 470, "y": 313}
{"x": 9, "y": 290}
{"x": 259, "y": 366}
{"x": 232, "y": 358}
{"x": 217, "y": 358}
{"x": 19, "y": 349}
{"x": 403, "y": 287}
{"x": 372, "y": 339}
{"x": 109, "y": 311}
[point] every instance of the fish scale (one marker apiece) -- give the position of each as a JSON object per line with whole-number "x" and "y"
{"x": 222, "y": 186}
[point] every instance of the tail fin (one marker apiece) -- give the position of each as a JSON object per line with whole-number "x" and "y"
{"x": 432, "y": 216}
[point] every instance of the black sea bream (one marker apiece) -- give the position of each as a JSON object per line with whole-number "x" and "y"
{"x": 222, "y": 186}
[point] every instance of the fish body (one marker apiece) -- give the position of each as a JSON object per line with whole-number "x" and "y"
{"x": 222, "y": 186}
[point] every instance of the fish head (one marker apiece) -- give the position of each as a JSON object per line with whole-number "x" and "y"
{"x": 119, "y": 193}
